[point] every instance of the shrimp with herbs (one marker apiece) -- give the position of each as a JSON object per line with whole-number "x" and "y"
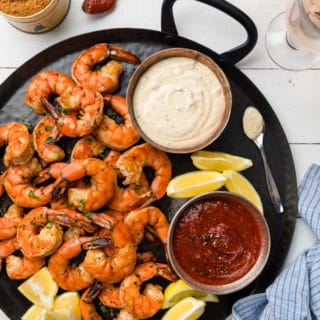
{"x": 99, "y": 190}
{"x": 88, "y": 147}
{"x": 111, "y": 264}
{"x": 148, "y": 302}
{"x": 132, "y": 161}
{"x": 46, "y": 84}
{"x": 10, "y": 221}
{"x": 18, "y": 141}
{"x": 20, "y": 188}
{"x": 127, "y": 197}
{"x": 37, "y": 235}
{"x": 109, "y": 296}
{"x": 87, "y": 307}
{"x": 150, "y": 218}
{"x": 19, "y": 268}
{"x": 112, "y": 134}
{"x": 8, "y": 246}
{"x": 68, "y": 274}
{"x": 40, "y": 233}
{"x": 80, "y": 112}
{"x": 107, "y": 77}
{"x": 44, "y": 135}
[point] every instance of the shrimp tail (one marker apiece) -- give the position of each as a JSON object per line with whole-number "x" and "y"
{"x": 97, "y": 243}
{"x": 92, "y": 292}
{"x": 50, "y": 109}
{"x": 102, "y": 220}
{"x": 59, "y": 189}
{"x": 66, "y": 220}
{"x": 122, "y": 55}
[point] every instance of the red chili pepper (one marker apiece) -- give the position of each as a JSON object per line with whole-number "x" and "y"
{"x": 97, "y": 6}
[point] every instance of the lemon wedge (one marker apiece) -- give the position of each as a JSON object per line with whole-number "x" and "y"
{"x": 219, "y": 161}
{"x": 239, "y": 184}
{"x": 179, "y": 290}
{"x": 186, "y": 309}
{"x": 37, "y": 313}
{"x": 193, "y": 183}
{"x": 40, "y": 289}
{"x": 66, "y": 306}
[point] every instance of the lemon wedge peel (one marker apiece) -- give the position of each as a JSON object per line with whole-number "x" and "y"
{"x": 40, "y": 288}
{"x": 178, "y": 290}
{"x": 185, "y": 309}
{"x": 193, "y": 183}
{"x": 219, "y": 161}
{"x": 239, "y": 184}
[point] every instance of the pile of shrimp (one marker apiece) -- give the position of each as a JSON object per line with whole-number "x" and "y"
{"x": 85, "y": 214}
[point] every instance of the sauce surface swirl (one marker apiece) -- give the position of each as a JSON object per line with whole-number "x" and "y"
{"x": 179, "y": 102}
{"x": 216, "y": 241}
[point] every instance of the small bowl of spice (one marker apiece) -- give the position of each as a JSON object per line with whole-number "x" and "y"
{"x": 218, "y": 242}
{"x": 179, "y": 100}
{"x": 34, "y": 16}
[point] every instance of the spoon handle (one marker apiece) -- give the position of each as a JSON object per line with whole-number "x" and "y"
{"x": 272, "y": 187}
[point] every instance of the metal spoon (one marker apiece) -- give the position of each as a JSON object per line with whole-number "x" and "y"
{"x": 253, "y": 126}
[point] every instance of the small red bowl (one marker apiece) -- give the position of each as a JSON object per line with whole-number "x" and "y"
{"x": 218, "y": 242}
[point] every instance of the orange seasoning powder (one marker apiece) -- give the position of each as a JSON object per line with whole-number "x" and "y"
{"x": 22, "y": 8}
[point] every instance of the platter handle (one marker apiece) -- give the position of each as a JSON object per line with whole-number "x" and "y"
{"x": 234, "y": 55}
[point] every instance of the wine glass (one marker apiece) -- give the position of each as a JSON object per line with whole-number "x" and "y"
{"x": 293, "y": 37}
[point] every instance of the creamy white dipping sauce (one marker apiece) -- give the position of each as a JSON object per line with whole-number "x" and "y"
{"x": 179, "y": 103}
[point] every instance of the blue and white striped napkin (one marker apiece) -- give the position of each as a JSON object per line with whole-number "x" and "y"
{"x": 295, "y": 294}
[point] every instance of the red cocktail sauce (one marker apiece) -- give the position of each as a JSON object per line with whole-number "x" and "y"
{"x": 216, "y": 241}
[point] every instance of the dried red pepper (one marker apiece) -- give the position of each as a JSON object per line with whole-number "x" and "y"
{"x": 97, "y": 6}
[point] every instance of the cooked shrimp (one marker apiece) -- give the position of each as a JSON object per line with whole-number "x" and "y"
{"x": 88, "y": 309}
{"x": 18, "y": 140}
{"x": 113, "y": 263}
{"x": 81, "y": 111}
{"x": 10, "y": 221}
{"x": 88, "y": 147}
{"x": 71, "y": 218}
{"x": 107, "y": 77}
{"x": 132, "y": 196}
{"x": 53, "y": 171}
{"x": 108, "y": 296}
{"x": 151, "y": 218}
{"x": 37, "y": 236}
{"x": 110, "y": 133}
{"x": 133, "y": 160}
{"x": 45, "y": 85}
{"x": 146, "y": 304}
{"x": 73, "y": 232}
{"x": 8, "y": 246}
{"x": 39, "y": 233}
{"x": 64, "y": 273}
{"x": 44, "y": 135}
{"x": 100, "y": 190}
{"x": 19, "y": 268}
{"x": 22, "y": 192}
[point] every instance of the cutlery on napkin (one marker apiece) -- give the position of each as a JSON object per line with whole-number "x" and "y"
{"x": 295, "y": 293}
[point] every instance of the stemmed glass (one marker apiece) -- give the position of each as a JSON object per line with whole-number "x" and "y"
{"x": 293, "y": 37}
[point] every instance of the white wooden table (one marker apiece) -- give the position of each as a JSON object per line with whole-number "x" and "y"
{"x": 294, "y": 96}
